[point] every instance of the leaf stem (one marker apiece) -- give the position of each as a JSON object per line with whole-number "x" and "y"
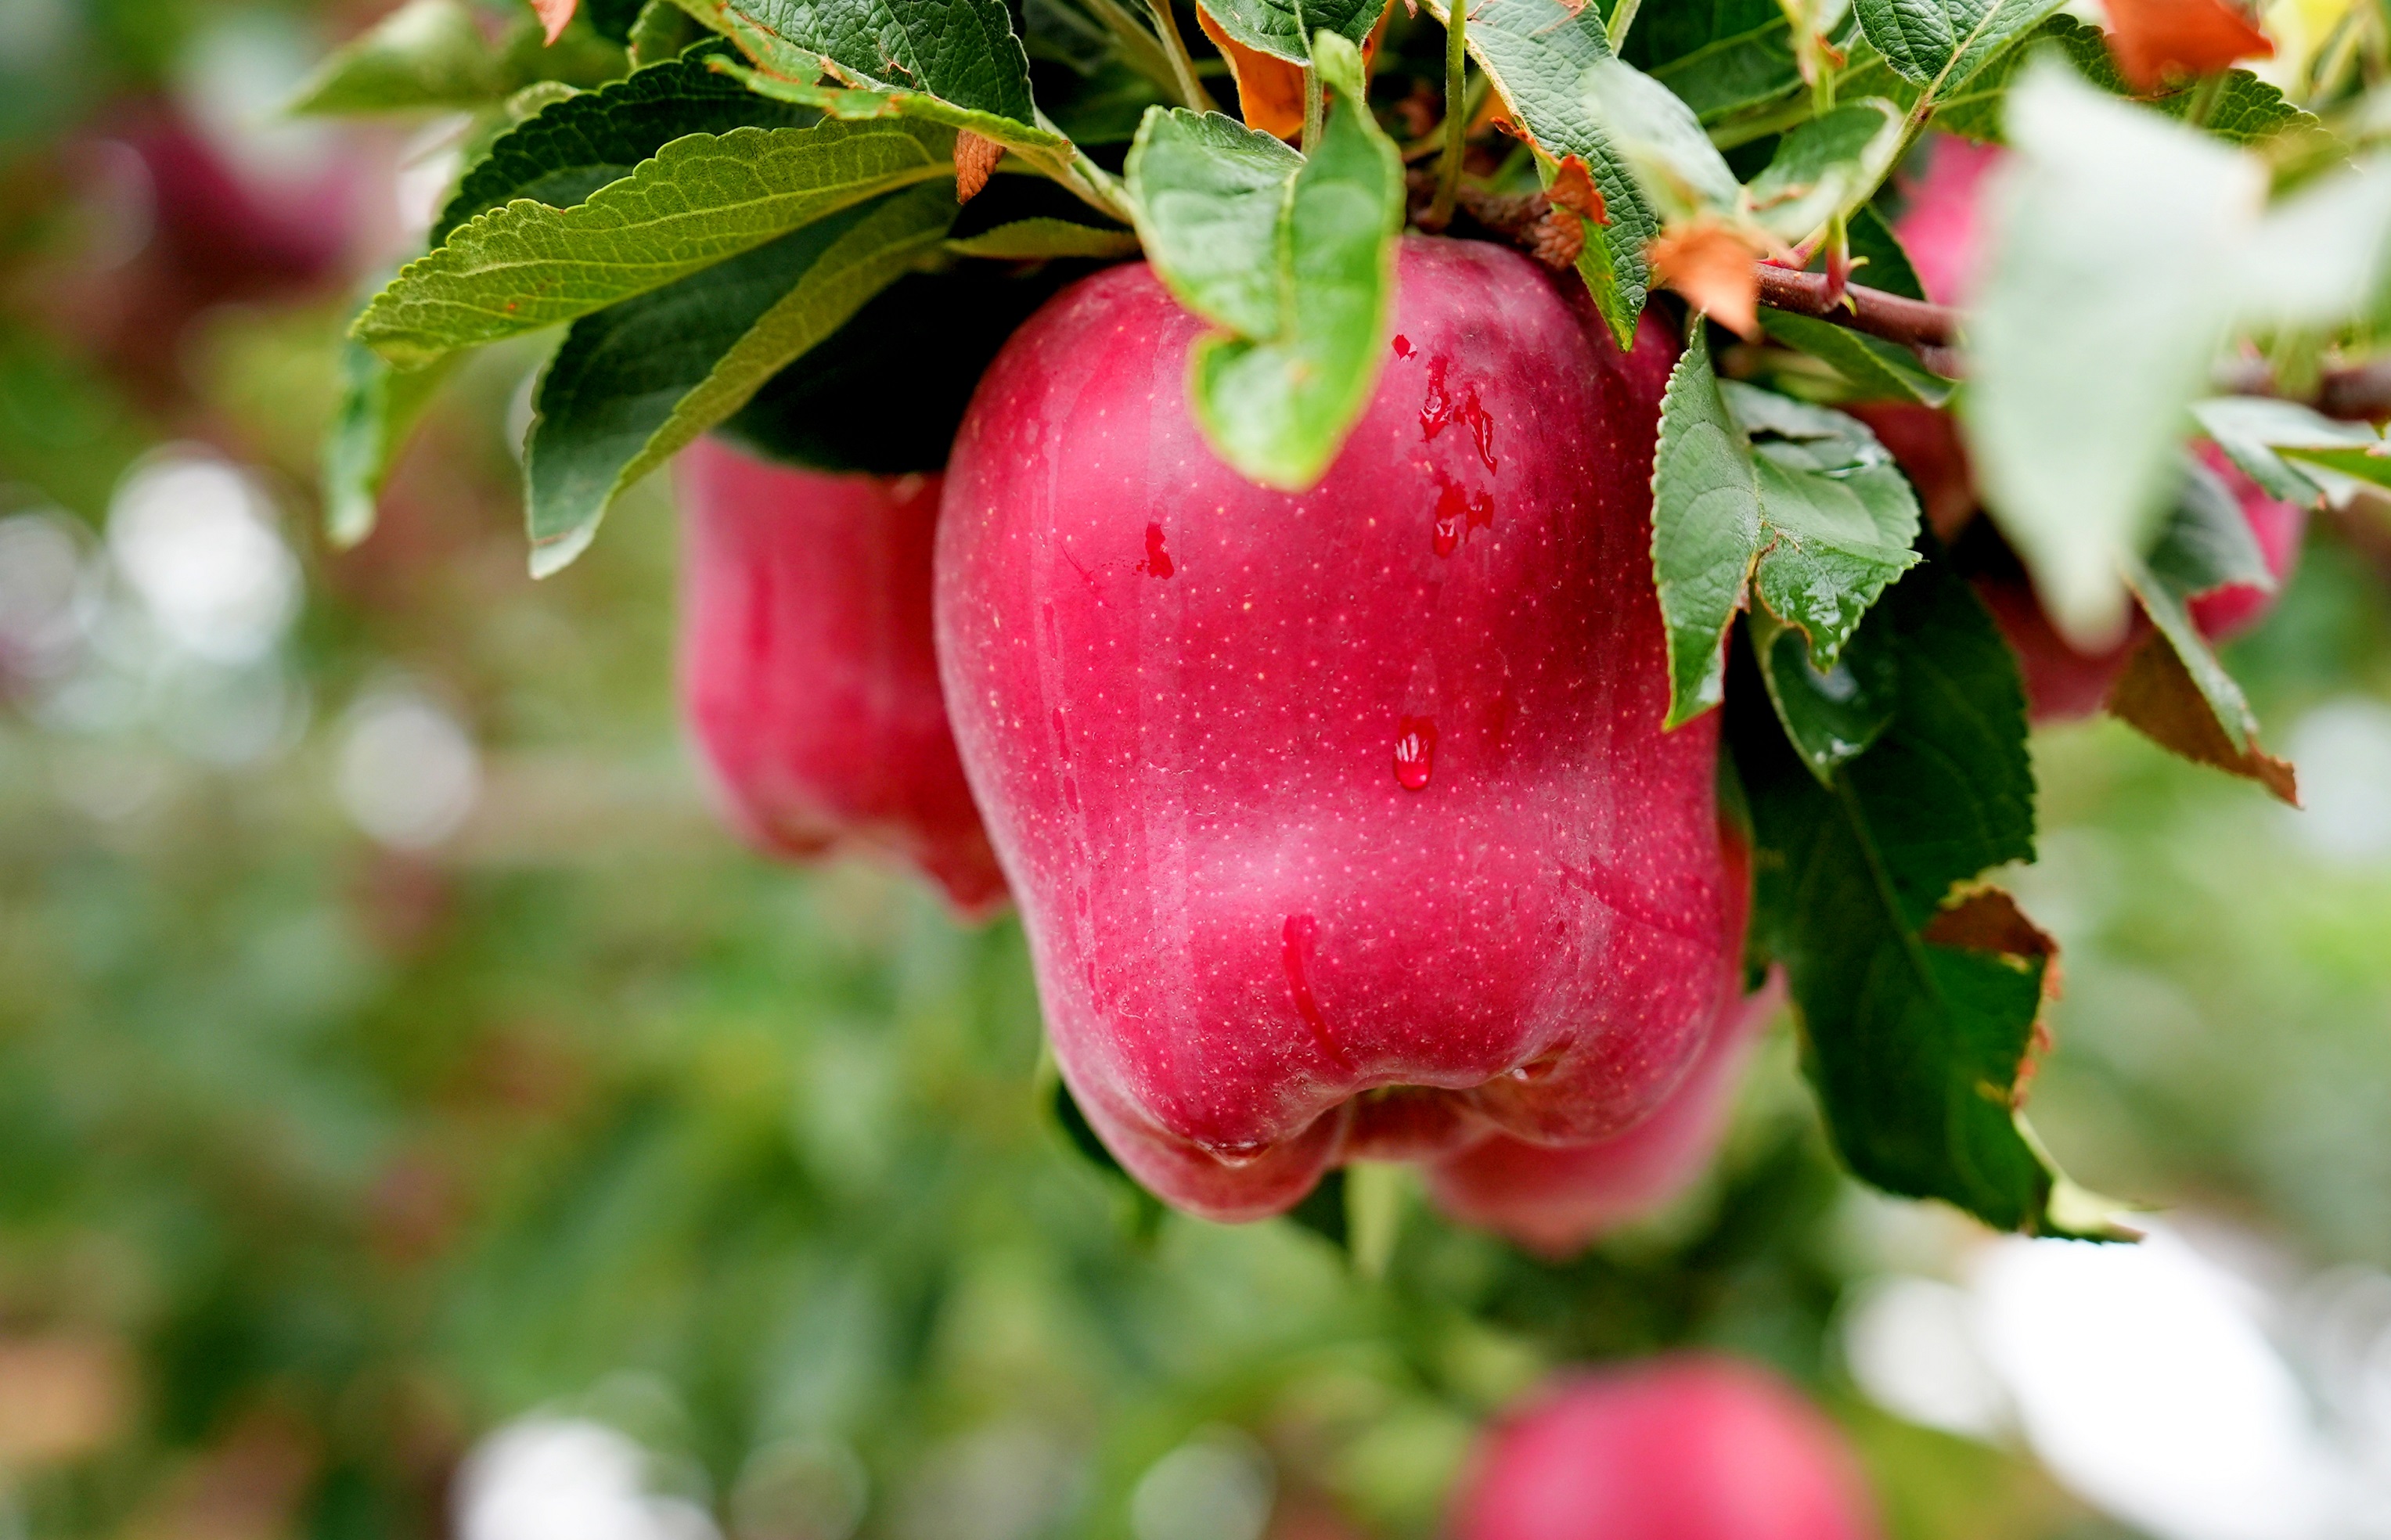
{"x": 1456, "y": 111}
{"x": 1622, "y": 15}
{"x": 1182, "y": 66}
{"x": 2203, "y": 99}
{"x": 1313, "y": 107}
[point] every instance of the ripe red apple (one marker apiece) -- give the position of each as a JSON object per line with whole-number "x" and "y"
{"x": 1557, "y": 1200}
{"x": 1690, "y": 1446}
{"x": 806, "y": 671}
{"x": 1310, "y": 799}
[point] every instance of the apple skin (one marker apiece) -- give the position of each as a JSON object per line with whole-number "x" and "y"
{"x": 808, "y": 676}
{"x": 1686, "y": 1446}
{"x": 1557, "y": 1200}
{"x": 1309, "y": 796}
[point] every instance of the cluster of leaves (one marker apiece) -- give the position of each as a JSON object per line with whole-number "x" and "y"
{"x": 775, "y": 219}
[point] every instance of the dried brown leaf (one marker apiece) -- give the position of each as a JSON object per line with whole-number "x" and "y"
{"x": 554, "y": 15}
{"x": 2158, "y": 698}
{"x": 1712, "y": 266}
{"x": 975, "y": 158}
{"x": 1573, "y": 188}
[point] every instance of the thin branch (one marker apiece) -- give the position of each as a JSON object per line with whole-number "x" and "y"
{"x": 1456, "y": 114}
{"x": 1192, "y": 94}
{"x": 1912, "y": 323}
{"x": 1313, "y": 107}
{"x": 2358, "y": 393}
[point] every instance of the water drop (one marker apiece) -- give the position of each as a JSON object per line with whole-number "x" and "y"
{"x": 1414, "y": 752}
{"x": 1157, "y": 561}
{"x": 1481, "y": 427}
{"x": 1436, "y": 410}
{"x": 1403, "y": 345}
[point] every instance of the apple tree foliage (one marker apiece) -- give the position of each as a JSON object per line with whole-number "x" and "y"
{"x": 809, "y": 227}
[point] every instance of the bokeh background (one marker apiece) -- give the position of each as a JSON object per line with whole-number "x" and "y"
{"x": 418, "y": 1117}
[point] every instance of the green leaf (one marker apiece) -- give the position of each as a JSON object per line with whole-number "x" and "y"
{"x": 1276, "y": 404}
{"x": 1037, "y": 239}
{"x": 954, "y": 61}
{"x": 574, "y": 147}
{"x": 378, "y": 408}
{"x": 1826, "y": 167}
{"x": 1918, "y": 1012}
{"x": 2246, "y": 111}
{"x": 1537, "y": 53}
{"x": 1942, "y": 44}
{"x": 634, "y": 384}
{"x": 1832, "y": 714}
{"x": 1103, "y": 108}
{"x": 2092, "y": 335}
{"x": 2275, "y": 443}
{"x": 1877, "y": 368}
{"x": 1738, "y": 73}
{"x": 1285, "y": 29}
{"x": 426, "y": 56}
{"x": 2317, "y": 259}
{"x": 1814, "y": 515}
{"x": 1210, "y": 195}
{"x": 1141, "y": 1213}
{"x": 661, "y": 31}
{"x": 1661, "y": 139}
{"x": 700, "y": 200}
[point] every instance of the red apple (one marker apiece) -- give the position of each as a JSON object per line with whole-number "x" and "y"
{"x": 1556, "y": 1200}
{"x": 807, "y": 670}
{"x": 1690, "y": 1446}
{"x": 1311, "y": 798}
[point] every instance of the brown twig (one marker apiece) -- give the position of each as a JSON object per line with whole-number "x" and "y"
{"x": 1912, "y": 323}
{"x": 2360, "y": 393}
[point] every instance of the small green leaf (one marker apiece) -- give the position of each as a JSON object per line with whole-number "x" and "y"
{"x": 1734, "y": 73}
{"x": 378, "y": 408}
{"x": 426, "y": 56}
{"x": 1537, "y": 53}
{"x": 2092, "y": 335}
{"x": 2244, "y": 110}
{"x": 1877, "y": 368}
{"x": 700, "y": 200}
{"x": 1942, "y": 44}
{"x": 1278, "y": 405}
{"x": 1887, "y": 265}
{"x": 635, "y": 383}
{"x": 572, "y": 147}
{"x": 957, "y": 61}
{"x": 1755, "y": 491}
{"x": 2275, "y": 443}
{"x": 1037, "y": 239}
{"x": 1285, "y": 28}
{"x": 1918, "y": 1012}
{"x": 1142, "y": 1213}
{"x": 661, "y": 31}
{"x": 1826, "y": 167}
{"x": 1210, "y": 195}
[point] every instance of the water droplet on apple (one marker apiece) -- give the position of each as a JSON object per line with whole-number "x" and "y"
{"x": 1436, "y": 410}
{"x": 1403, "y": 345}
{"x": 1158, "y": 562}
{"x": 1414, "y": 752}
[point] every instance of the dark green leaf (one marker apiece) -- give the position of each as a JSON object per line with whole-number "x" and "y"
{"x": 1876, "y": 369}
{"x": 2246, "y": 110}
{"x": 1887, "y": 265}
{"x": 700, "y": 200}
{"x": 635, "y": 382}
{"x": 574, "y": 147}
{"x": 661, "y": 31}
{"x": 1276, "y": 397}
{"x": 1537, "y": 53}
{"x": 957, "y": 61}
{"x": 1738, "y": 73}
{"x": 1284, "y": 27}
{"x": 1831, "y": 714}
{"x": 379, "y": 406}
{"x": 1917, "y": 1017}
{"x": 1144, "y": 1212}
{"x": 1942, "y": 44}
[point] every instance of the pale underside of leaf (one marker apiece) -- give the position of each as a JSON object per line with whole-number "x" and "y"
{"x": 700, "y": 200}
{"x": 1210, "y": 196}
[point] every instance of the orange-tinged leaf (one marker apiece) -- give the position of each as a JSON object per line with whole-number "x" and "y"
{"x": 1712, "y": 266}
{"x": 1573, "y": 189}
{"x": 2158, "y": 698}
{"x": 1270, "y": 90}
{"x": 1988, "y": 920}
{"x": 975, "y": 158}
{"x": 2154, "y": 39}
{"x": 554, "y": 15}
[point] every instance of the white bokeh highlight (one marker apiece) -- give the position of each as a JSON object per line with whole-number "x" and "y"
{"x": 1216, "y": 1486}
{"x": 195, "y": 540}
{"x": 552, "y": 1478}
{"x": 408, "y": 773}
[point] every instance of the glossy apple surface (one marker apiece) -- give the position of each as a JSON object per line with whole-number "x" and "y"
{"x": 1305, "y": 797}
{"x": 806, "y": 673}
{"x": 1690, "y": 1446}
{"x": 1557, "y": 1200}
